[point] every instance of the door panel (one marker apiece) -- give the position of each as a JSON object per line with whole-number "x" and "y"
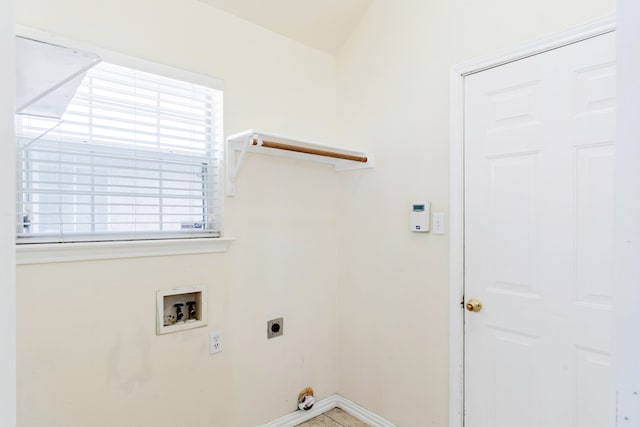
{"x": 539, "y": 150}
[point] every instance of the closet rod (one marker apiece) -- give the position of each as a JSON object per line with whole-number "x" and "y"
{"x": 305, "y": 150}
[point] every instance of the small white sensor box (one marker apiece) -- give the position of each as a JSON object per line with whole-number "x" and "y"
{"x": 419, "y": 217}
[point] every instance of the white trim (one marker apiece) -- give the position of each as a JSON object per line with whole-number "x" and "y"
{"x": 7, "y": 217}
{"x": 66, "y": 252}
{"x": 456, "y": 250}
{"x": 324, "y": 405}
{"x": 362, "y": 414}
{"x": 118, "y": 58}
{"x": 456, "y": 190}
{"x": 587, "y": 31}
{"x": 626, "y": 270}
{"x": 298, "y": 417}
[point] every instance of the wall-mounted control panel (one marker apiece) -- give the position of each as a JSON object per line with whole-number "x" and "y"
{"x": 419, "y": 217}
{"x": 180, "y": 309}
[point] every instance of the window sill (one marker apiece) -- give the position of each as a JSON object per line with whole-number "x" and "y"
{"x": 67, "y": 252}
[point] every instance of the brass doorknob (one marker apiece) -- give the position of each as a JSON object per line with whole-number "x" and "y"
{"x": 474, "y": 305}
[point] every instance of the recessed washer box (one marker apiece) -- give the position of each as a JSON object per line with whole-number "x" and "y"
{"x": 181, "y": 309}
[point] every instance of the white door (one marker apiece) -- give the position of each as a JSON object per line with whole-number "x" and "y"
{"x": 539, "y": 147}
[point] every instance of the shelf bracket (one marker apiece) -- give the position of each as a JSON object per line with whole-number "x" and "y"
{"x": 243, "y": 152}
{"x": 235, "y": 161}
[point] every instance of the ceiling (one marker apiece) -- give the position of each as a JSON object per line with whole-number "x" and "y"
{"x": 322, "y": 24}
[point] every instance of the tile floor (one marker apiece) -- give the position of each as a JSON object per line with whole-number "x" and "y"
{"x": 334, "y": 418}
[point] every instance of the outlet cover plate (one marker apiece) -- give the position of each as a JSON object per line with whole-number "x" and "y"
{"x": 437, "y": 223}
{"x": 275, "y": 327}
{"x": 215, "y": 342}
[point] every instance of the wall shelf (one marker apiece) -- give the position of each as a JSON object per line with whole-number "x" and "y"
{"x": 255, "y": 141}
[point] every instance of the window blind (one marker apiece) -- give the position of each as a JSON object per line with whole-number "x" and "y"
{"x": 135, "y": 156}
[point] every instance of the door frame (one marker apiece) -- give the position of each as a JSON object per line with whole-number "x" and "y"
{"x": 456, "y": 188}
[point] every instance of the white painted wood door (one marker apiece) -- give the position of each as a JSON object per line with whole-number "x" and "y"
{"x": 539, "y": 147}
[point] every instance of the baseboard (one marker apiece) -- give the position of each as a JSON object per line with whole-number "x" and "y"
{"x": 362, "y": 414}
{"x": 298, "y": 417}
{"x": 324, "y": 405}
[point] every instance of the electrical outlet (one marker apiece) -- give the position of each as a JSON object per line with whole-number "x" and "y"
{"x": 275, "y": 327}
{"x": 215, "y": 342}
{"x": 437, "y": 223}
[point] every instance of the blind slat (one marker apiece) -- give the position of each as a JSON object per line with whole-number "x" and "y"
{"x": 122, "y": 74}
{"x": 204, "y": 124}
{"x": 79, "y": 205}
{"x": 195, "y": 102}
{"x": 129, "y": 155}
{"x": 115, "y": 105}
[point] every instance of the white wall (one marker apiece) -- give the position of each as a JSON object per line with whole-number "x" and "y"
{"x": 627, "y": 229}
{"x": 7, "y": 218}
{"x": 87, "y": 350}
{"x": 393, "y": 97}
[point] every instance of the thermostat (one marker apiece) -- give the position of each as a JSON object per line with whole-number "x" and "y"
{"x": 419, "y": 217}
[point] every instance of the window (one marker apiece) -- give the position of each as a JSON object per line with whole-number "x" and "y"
{"x": 135, "y": 156}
